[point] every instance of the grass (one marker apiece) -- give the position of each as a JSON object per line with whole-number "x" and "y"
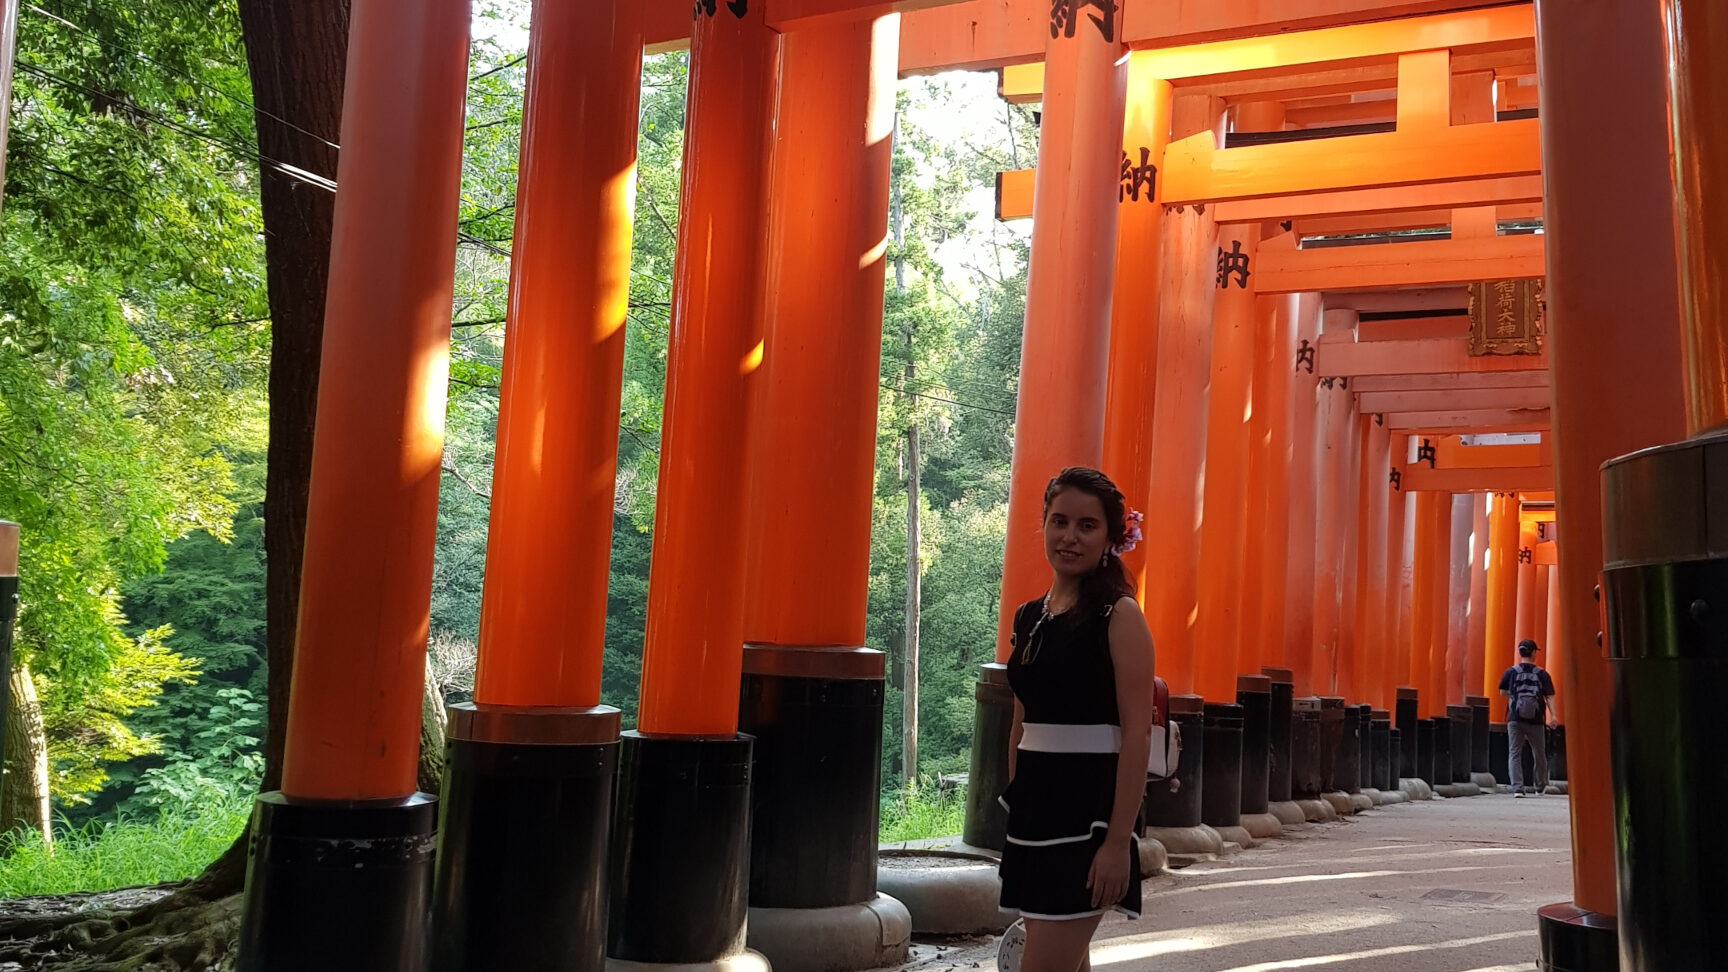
{"x": 121, "y": 854}
{"x": 921, "y": 811}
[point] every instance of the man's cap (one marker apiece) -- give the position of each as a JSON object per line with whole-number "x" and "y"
{"x": 1527, "y": 647}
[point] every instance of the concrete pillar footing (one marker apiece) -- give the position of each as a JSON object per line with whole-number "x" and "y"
{"x": 872, "y": 934}
{"x": 1386, "y": 798}
{"x": 1262, "y": 826}
{"x": 1288, "y": 812}
{"x": 1362, "y": 801}
{"x": 745, "y": 961}
{"x": 946, "y": 892}
{"x": 1238, "y": 836}
{"x": 1485, "y": 781}
{"x": 1341, "y": 802}
{"x": 1199, "y": 839}
{"x": 1154, "y": 859}
{"x": 1317, "y": 811}
{"x": 1416, "y": 789}
{"x": 1451, "y": 790}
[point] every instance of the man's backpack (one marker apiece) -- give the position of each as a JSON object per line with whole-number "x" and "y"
{"x": 1527, "y": 701}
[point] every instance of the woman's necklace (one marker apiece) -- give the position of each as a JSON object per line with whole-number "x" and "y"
{"x": 1032, "y": 641}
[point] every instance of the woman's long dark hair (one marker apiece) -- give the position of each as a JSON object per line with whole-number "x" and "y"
{"x": 1105, "y": 584}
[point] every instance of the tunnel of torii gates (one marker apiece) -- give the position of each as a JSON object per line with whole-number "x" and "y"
{"x": 1345, "y": 300}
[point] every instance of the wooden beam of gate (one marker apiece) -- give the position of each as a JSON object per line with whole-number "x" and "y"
{"x": 1461, "y": 194}
{"x": 1414, "y": 219}
{"x": 1445, "y": 401}
{"x": 1428, "y": 356}
{"x": 1196, "y": 170}
{"x": 1420, "y": 263}
{"x": 1449, "y": 383}
{"x": 1417, "y": 477}
{"x": 1468, "y": 422}
{"x": 1451, "y": 453}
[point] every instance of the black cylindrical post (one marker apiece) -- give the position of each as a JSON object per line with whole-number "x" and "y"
{"x": 1380, "y": 733}
{"x": 527, "y": 805}
{"x": 1331, "y": 734}
{"x": 1425, "y": 750}
{"x": 1458, "y": 721}
{"x": 680, "y": 847}
{"x": 993, "y": 722}
{"x": 1305, "y": 749}
{"x": 1665, "y": 513}
{"x": 1221, "y": 780}
{"x": 1394, "y": 755}
{"x": 1405, "y": 719}
{"x": 817, "y": 775}
{"x": 1499, "y": 754}
{"x": 1364, "y": 747}
{"x": 1478, "y": 733}
{"x": 1176, "y": 802}
{"x": 1254, "y": 695}
{"x": 317, "y": 874}
{"x": 1278, "y": 755}
{"x": 1347, "y": 763}
{"x": 1441, "y": 769}
{"x": 1557, "y": 753}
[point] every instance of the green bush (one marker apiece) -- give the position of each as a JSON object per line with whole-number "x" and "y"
{"x": 131, "y": 851}
{"x": 922, "y": 810}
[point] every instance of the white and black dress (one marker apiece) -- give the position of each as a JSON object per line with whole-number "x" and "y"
{"x": 1064, "y": 785}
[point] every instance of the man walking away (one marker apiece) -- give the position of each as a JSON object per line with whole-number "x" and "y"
{"x": 1527, "y": 689}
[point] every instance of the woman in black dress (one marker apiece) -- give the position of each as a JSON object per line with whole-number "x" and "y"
{"x": 1081, "y": 670}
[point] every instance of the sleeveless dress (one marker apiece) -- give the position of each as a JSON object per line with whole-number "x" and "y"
{"x": 1064, "y": 785}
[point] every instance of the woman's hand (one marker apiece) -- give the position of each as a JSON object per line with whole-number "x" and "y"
{"x": 1108, "y": 878}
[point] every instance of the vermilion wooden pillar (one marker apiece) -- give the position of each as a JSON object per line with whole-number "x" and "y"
{"x": 1529, "y": 598}
{"x": 1398, "y": 566}
{"x": 1059, "y": 418}
{"x": 1424, "y": 610}
{"x": 1372, "y": 643}
{"x": 1131, "y": 390}
{"x": 1331, "y": 473}
{"x": 1502, "y": 638}
{"x": 1266, "y": 612}
{"x": 1554, "y": 643}
{"x": 1613, "y": 387}
{"x": 812, "y": 694}
{"x": 1299, "y": 578}
{"x": 1172, "y": 525}
{"x": 1458, "y": 597}
{"x": 340, "y": 861}
{"x": 543, "y": 607}
{"x": 1222, "y": 529}
{"x": 1476, "y": 654}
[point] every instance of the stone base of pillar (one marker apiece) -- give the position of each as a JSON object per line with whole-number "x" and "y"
{"x": 1416, "y": 789}
{"x": 1485, "y": 781}
{"x": 745, "y": 961}
{"x": 1453, "y": 790}
{"x": 944, "y": 892}
{"x": 1187, "y": 840}
{"x": 681, "y": 851}
{"x": 338, "y": 887}
{"x": 847, "y": 938}
{"x": 521, "y": 875}
{"x": 1340, "y": 802}
{"x": 1571, "y": 939}
{"x": 1288, "y": 812}
{"x": 1154, "y": 859}
{"x": 1318, "y": 811}
{"x": 1386, "y": 798}
{"x": 1238, "y": 836}
{"x": 1262, "y": 825}
{"x": 1362, "y": 801}
{"x": 992, "y": 723}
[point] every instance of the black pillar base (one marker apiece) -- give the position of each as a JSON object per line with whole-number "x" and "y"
{"x": 1331, "y": 732}
{"x": 1394, "y": 747}
{"x": 1404, "y": 719}
{"x": 1380, "y": 741}
{"x": 1425, "y": 750}
{"x": 1221, "y": 779}
{"x": 992, "y": 725}
{"x": 1556, "y": 736}
{"x": 1305, "y": 750}
{"x": 1278, "y": 756}
{"x": 526, "y": 808}
{"x": 1574, "y": 940}
{"x": 680, "y": 848}
{"x": 1459, "y": 717}
{"x": 1176, "y": 802}
{"x": 817, "y": 779}
{"x": 1254, "y": 696}
{"x": 1365, "y": 747}
{"x": 1499, "y": 753}
{"x": 1442, "y": 768}
{"x": 338, "y": 887}
{"x": 1478, "y": 733}
{"x": 1347, "y": 758}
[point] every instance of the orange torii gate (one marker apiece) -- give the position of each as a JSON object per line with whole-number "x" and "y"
{"x": 1220, "y": 150}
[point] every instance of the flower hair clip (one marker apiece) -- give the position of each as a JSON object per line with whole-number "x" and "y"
{"x": 1131, "y": 537}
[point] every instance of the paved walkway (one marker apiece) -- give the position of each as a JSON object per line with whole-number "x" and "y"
{"x": 1442, "y": 886}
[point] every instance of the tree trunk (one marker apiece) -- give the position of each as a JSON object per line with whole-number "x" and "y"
{"x": 430, "y": 773}
{"x": 24, "y": 796}
{"x": 914, "y": 603}
{"x": 297, "y": 53}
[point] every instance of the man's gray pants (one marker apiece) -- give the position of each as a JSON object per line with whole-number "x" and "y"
{"x": 1534, "y": 735}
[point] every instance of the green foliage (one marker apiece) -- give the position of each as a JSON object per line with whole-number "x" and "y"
{"x": 129, "y": 852}
{"x": 131, "y": 341}
{"x": 921, "y": 811}
{"x": 222, "y": 762}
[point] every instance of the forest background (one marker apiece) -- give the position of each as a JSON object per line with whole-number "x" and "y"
{"x": 134, "y": 348}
